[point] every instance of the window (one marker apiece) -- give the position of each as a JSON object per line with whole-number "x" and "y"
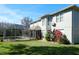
{"x": 59, "y": 18}
{"x": 42, "y": 22}
{"x": 49, "y": 19}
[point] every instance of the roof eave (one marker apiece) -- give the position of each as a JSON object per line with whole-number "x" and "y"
{"x": 74, "y": 7}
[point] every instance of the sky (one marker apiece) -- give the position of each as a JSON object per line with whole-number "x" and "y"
{"x": 14, "y": 13}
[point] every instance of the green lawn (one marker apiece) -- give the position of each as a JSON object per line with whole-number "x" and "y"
{"x": 37, "y": 47}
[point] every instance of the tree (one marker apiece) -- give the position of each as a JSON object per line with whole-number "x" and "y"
{"x": 26, "y": 22}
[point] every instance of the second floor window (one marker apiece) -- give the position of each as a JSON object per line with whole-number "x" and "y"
{"x": 43, "y": 22}
{"x": 49, "y": 20}
{"x": 59, "y": 18}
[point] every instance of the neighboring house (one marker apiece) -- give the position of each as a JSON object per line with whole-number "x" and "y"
{"x": 66, "y": 20}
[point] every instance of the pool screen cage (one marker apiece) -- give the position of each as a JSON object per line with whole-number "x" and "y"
{"x": 11, "y": 31}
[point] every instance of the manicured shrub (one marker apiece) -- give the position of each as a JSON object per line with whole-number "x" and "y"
{"x": 64, "y": 40}
{"x": 47, "y": 37}
{"x": 52, "y": 37}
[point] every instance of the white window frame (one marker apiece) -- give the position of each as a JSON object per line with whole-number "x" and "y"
{"x": 59, "y": 17}
{"x": 42, "y": 22}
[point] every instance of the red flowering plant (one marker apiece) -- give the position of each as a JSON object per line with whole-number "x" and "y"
{"x": 57, "y": 34}
{"x": 59, "y": 37}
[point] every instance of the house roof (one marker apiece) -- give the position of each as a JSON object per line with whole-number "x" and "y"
{"x": 36, "y": 21}
{"x": 74, "y": 7}
{"x": 69, "y": 7}
{"x": 40, "y": 18}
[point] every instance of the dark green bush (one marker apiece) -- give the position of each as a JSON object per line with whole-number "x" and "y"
{"x": 47, "y": 37}
{"x": 64, "y": 40}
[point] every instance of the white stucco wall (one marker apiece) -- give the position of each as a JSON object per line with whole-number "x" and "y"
{"x": 68, "y": 25}
{"x": 39, "y": 23}
{"x": 43, "y": 26}
{"x": 65, "y": 24}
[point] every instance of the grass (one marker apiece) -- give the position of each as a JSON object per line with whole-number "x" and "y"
{"x": 37, "y": 47}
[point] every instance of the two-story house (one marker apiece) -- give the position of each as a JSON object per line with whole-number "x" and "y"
{"x": 65, "y": 20}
